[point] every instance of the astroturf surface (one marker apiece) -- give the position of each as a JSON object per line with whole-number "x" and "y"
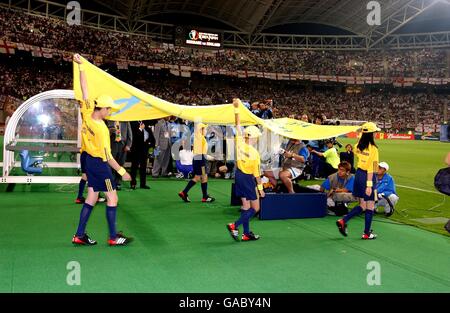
{"x": 183, "y": 247}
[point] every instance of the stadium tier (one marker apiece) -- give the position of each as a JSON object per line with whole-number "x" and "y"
{"x": 233, "y": 146}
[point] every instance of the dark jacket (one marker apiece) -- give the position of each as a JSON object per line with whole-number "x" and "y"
{"x": 138, "y": 136}
{"x": 349, "y": 157}
{"x": 125, "y": 131}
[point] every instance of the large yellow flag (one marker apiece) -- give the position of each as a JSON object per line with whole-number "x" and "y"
{"x": 138, "y": 105}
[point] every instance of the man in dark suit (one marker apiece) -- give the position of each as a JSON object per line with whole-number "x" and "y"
{"x": 121, "y": 139}
{"x": 162, "y": 148}
{"x": 143, "y": 139}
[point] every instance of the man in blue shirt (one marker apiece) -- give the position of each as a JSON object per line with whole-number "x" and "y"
{"x": 255, "y": 109}
{"x": 292, "y": 165}
{"x": 265, "y": 110}
{"x": 387, "y": 196}
{"x": 339, "y": 186}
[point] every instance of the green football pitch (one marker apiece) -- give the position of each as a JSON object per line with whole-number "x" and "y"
{"x": 183, "y": 247}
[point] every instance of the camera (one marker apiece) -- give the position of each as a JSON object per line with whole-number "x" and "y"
{"x": 334, "y": 142}
{"x": 331, "y": 122}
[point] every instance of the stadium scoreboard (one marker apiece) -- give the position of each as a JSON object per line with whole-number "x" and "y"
{"x": 198, "y": 37}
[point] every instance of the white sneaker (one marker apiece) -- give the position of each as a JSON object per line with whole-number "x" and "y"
{"x": 331, "y": 213}
{"x": 369, "y": 237}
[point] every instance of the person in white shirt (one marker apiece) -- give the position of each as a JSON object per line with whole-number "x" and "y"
{"x": 184, "y": 164}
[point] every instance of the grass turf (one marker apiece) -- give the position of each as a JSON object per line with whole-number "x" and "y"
{"x": 413, "y": 164}
{"x": 185, "y": 248}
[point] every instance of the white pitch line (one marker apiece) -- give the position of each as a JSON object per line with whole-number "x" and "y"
{"x": 418, "y": 189}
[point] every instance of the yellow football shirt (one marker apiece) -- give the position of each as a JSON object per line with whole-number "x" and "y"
{"x": 95, "y": 139}
{"x": 85, "y": 108}
{"x": 368, "y": 159}
{"x": 200, "y": 144}
{"x": 248, "y": 160}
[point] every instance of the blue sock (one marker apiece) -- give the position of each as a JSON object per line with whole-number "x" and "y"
{"x": 246, "y": 225}
{"x": 356, "y": 211}
{"x": 241, "y": 219}
{"x": 84, "y": 217}
{"x": 369, "y": 216}
{"x": 190, "y": 184}
{"x": 205, "y": 190}
{"x": 111, "y": 217}
{"x": 248, "y": 215}
{"x": 81, "y": 188}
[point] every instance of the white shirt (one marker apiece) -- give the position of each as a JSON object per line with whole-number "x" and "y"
{"x": 186, "y": 157}
{"x": 146, "y": 135}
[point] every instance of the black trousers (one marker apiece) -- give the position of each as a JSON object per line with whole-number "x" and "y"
{"x": 139, "y": 159}
{"x": 327, "y": 169}
{"x": 120, "y": 156}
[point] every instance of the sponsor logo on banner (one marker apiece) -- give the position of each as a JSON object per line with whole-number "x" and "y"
{"x": 429, "y": 138}
{"x": 400, "y": 136}
{"x": 352, "y": 135}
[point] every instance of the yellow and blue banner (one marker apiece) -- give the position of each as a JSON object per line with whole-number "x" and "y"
{"x": 138, "y": 105}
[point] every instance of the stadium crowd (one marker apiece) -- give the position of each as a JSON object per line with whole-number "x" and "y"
{"x": 401, "y": 111}
{"x": 43, "y": 32}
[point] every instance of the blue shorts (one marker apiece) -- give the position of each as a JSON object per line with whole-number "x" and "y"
{"x": 245, "y": 185}
{"x": 99, "y": 174}
{"x": 185, "y": 169}
{"x": 199, "y": 165}
{"x": 83, "y": 162}
{"x": 359, "y": 187}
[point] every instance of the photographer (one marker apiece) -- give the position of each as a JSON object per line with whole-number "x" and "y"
{"x": 348, "y": 156}
{"x": 331, "y": 158}
{"x": 387, "y": 195}
{"x": 319, "y": 146}
{"x": 224, "y": 169}
{"x": 292, "y": 165}
{"x": 339, "y": 188}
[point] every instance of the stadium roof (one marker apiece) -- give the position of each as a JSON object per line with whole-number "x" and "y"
{"x": 254, "y": 16}
{"x": 263, "y": 23}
